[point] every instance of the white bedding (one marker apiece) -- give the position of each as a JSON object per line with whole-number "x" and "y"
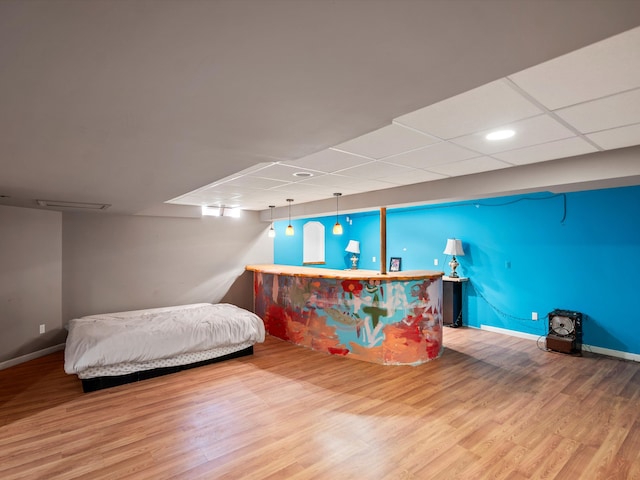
{"x": 146, "y": 335}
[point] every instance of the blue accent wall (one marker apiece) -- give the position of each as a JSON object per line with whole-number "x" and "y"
{"x": 528, "y": 253}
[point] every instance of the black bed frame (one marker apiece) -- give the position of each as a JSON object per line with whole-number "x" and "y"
{"x": 98, "y": 383}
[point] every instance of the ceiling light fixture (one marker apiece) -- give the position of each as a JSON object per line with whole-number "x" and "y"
{"x": 272, "y": 231}
{"x": 289, "y": 230}
{"x": 500, "y": 135}
{"x": 303, "y": 174}
{"x": 337, "y": 228}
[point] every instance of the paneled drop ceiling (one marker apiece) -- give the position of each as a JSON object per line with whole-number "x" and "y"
{"x": 133, "y": 104}
{"x": 582, "y": 102}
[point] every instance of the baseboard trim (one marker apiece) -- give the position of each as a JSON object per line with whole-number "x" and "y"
{"x": 634, "y": 357}
{"x": 31, "y": 356}
{"x": 511, "y": 333}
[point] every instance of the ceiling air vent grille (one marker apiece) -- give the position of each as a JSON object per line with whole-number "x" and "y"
{"x": 75, "y": 205}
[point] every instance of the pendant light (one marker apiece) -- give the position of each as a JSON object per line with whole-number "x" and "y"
{"x": 289, "y": 230}
{"x": 272, "y": 231}
{"x": 337, "y": 228}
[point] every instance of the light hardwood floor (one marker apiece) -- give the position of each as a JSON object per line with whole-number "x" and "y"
{"x": 492, "y": 406}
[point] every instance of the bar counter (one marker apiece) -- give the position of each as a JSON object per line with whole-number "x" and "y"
{"x": 391, "y": 319}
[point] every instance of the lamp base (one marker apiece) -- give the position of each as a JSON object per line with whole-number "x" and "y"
{"x": 453, "y": 264}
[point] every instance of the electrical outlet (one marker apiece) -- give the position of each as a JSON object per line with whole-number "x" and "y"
{"x": 373, "y": 259}
{"x": 42, "y": 329}
{"x": 534, "y": 315}
{"x": 435, "y": 261}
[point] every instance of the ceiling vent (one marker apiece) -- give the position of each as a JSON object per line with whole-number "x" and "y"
{"x": 73, "y": 205}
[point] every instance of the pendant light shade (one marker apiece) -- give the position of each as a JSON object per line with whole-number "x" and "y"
{"x": 272, "y": 231}
{"x": 337, "y": 228}
{"x": 289, "y": 231}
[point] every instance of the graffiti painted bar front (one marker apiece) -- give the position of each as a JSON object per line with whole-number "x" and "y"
{"x": 391, "y": 319}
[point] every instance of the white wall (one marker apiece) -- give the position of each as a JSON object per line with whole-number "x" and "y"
{"x": 30, "y": 280}
{"x": 54, "y": 267}
{"x": 115, "y": 263}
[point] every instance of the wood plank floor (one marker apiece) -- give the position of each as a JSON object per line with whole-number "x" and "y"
{"x": 492, "y": 406}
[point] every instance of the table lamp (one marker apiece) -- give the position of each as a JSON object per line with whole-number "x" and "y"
{"x": 454, "y": 247}
{"x": 354, "y": 248}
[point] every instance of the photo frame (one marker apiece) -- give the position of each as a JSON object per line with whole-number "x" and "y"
{"x": 395, "y": 264}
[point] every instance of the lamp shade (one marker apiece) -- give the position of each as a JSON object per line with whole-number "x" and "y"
{"x": 353, "y": 247}
{"x": 454, "y": 247}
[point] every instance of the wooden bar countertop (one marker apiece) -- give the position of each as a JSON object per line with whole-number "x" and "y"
{"x": 347, "y": 274}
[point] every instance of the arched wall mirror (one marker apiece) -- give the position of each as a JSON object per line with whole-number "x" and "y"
{"x": 313, "y": 243}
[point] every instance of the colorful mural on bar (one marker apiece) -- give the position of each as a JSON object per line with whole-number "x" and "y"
{"x": 392, "y": 322}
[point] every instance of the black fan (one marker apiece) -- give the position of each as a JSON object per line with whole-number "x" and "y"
{"x": 565, "y": 331}
{"x": 562, "y": 325}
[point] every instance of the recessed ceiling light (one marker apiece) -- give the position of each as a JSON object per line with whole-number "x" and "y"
{"x": 303, "y": 174}
{"x": 500, "y": 135}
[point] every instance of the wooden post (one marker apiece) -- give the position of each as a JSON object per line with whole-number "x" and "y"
{"x": 383, "y": 240}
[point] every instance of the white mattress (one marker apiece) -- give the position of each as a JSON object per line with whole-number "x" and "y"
{"x": 142, "y": 336}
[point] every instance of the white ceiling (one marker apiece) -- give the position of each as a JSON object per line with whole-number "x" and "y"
{"x": 582, "y": 102}
{"x": 139, "y": 103}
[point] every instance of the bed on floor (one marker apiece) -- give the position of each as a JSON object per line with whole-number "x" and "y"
{"x": 117, "y": 348}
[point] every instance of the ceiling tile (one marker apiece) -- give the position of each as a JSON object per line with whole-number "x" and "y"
{"x": 368, "y": 185}
{"x": 472, "y": 165}
{"x": 284, "y": 172}
{"x": 193, "y": 197}
{"x": 220, "y": 189}
{"x": 600, "y": 69}
{"x": 247, "y": 171}
{"x": 207, "y": 198}
{"x": 414, "y": 176}
{"x": 328, "y": 161}
{"x": 532, "y": 131}
{"x": 298, "y": 197}
{"x": 386, "y": 141}
{"x": 605, "y": 113}
{"x": 439, "y": 153}
{"x": 248, "y": 181}
{"x": 567, "y": 147}
{"x": 375, "y": 170}
{"x": 617, "y": 137}
{"x": 261, "y": 200}
{"x": 329, "y": 180}
{"x": 297, "y": 190}
{"x": 347, "y": 184}
{"x": 485, "y": 107}
{"x": 298, "y": 187}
